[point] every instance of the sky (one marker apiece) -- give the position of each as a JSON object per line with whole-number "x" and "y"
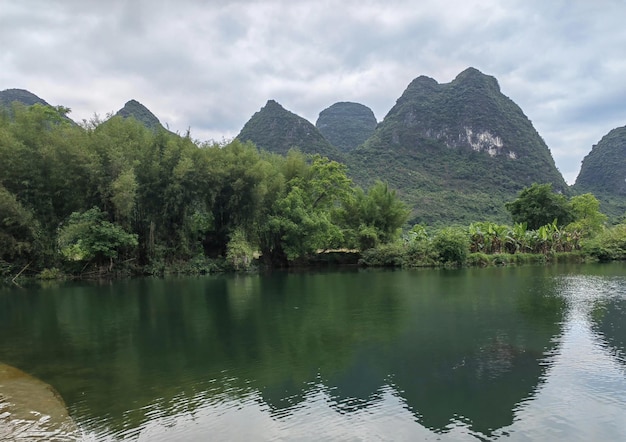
{"x": 208, "y": 66}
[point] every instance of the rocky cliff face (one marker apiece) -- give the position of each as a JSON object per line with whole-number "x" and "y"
{"x": 456, "y": 151}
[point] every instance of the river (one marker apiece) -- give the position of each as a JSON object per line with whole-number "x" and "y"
{"x": 518, "y": 353}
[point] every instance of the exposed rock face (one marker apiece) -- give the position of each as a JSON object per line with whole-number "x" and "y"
{"x": 32, "y": 410}
{"x": 456, "y": 151}
{"x": 346, "y": 125}
{"x": 277, "y": 130}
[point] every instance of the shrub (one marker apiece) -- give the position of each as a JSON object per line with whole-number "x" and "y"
{"x": 452, "y": 245}
{"x": 478, "y": 259}
{"x": 50, "y": 274}
{"x": 385, "y": 255}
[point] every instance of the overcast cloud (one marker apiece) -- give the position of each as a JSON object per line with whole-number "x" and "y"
{"x": 210, "y": 65}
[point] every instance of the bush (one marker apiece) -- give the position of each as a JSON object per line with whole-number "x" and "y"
{"x": 478, "y": 259}
{"x": 607, "y": 246}
{"x": 239, "y": 253}
{"x": 50, "y": 274}
{"x": 420, "y": 253}
{"x": 452, "y": 245}
{"x": 385, "y": 255}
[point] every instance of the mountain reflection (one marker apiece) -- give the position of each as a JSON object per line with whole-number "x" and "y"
{"x": 610, "y": 321}
{"x": 466, "y": 344}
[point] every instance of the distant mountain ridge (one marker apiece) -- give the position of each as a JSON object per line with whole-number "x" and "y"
{"x": 346, "y": 125}
{"x": 139, "y": 112}
{"x": 23, "y": 96}
{"x": 603, "y": 172}
{"x": 456, "y": 152}
{"x": 277, "y": 130}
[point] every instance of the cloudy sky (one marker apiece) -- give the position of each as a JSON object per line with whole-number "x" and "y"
{"x": 209, "y": 65}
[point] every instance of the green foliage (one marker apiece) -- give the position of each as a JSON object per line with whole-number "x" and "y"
{"x": 19, "y": 231}
{"x": 373, "y": 218}
{"x": 239, "y": 253}
{"x": 87, "y": 235}
{"x": 50, "y": 274}
{"x": 588, "y": 220}
{"x": 609, "y": 245}
{"x": 452, "y": 245}
{"x": 538, "y": 205}
{"x": 385, "y": 255}
{"x": 428, "y": 148}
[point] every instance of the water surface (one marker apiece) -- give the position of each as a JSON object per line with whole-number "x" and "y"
{"x": 528, "y": 353}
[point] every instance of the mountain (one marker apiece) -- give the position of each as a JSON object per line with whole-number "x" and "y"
{"x": 457, "y": 151}
{"x": 346, "y": 125}
{"x": 277, "y": 130}
{"x": 26, "y": 98}
{"x": 140, "y": 113}
{"x": 23, "y": 96}
{"x": 603, "y": 172}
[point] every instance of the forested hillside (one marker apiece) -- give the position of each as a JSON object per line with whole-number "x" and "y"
{"x": 116, "y": 196}
{"x": 603, "y": 172}
{"x": 456, "y": 152}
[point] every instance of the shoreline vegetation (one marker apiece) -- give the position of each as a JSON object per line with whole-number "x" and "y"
{"x": 113, "y": 199}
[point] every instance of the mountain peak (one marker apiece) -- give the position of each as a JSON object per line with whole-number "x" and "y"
{"x": 473, "y": 77}
{"x": 275, "y": 129}
{"x": 23, "y": 96}
{"x": 603, "y": 172}
{"x": 273, "y": 104}
{"x": 346, "y": 125}
{"x": 139, "y": 112}
{"x": 462, "y": 139}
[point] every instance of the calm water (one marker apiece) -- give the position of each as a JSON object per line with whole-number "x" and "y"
{"x": 530, "y": 353}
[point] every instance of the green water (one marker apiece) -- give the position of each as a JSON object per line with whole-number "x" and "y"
{"x": 528, "y": 353}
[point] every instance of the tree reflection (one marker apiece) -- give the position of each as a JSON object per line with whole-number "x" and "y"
{"x": 451, "y": 343}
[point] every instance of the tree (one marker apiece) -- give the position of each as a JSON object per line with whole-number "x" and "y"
{"x": 19, "y": 233}
{"x": 374, "y": 217}
{"x": 588, "y": 219}
{"x": 89, "y": 236}
{"x": 299, "y": 220}
{"x": 538, "y": 205}
{"x": 452, "y": 245}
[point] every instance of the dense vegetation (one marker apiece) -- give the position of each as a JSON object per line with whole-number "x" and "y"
{"x": 115, "y": 196}
{"x": 577, "y": 231}
{"x": 277, "y": 130}
{"x": 346, "y": 125}
{"x": 456, "y": 152}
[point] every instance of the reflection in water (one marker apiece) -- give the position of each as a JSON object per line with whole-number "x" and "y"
{"x": 352, "y": 355}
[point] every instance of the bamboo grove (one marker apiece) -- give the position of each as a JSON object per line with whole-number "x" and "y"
{"x": 111, "y": 196}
